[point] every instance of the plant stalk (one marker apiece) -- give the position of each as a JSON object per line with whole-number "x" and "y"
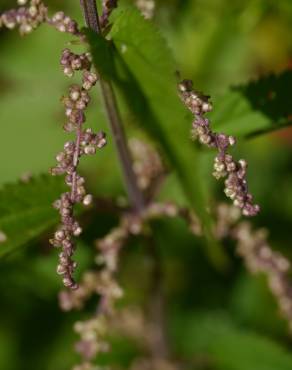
{"x": 135, "y": 194}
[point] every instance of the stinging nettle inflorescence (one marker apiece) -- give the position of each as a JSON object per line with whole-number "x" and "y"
{"x": 86, "y": 143}
{"x": 27, "y": 17}
{"x": 225, "y": 165}
{"x": 259, "y": 257}
{"x": 31, "y": 14}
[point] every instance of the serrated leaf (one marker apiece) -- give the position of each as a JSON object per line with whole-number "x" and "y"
{"x": 145, "y": 74}
{"x": 230, "y": 347}
{"x": 26, "y": 210}
{"x": 258, "y": 107}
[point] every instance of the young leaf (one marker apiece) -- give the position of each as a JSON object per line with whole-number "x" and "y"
{"x": 26, "y": 210}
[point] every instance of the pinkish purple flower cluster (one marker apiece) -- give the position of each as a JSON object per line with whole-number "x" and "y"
{"x": 26, "y": 18}
{"x": 225, "y": 165}
{"x": 64, "y": 23}
{"x": 67, "y": 164}
{"x": 72, "y": 62}
{"x": 31, "y": 14}
{"x": 259, "y": 257}
{"x": 87, "y": 142}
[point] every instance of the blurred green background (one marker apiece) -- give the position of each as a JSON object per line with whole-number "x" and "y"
{"x": 216, "y": 321}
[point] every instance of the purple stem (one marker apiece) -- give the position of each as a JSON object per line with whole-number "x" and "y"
{"x": 75, "y": 162}
{"x": 135, "y": 195}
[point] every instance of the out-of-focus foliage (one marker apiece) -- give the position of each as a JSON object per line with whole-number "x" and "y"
{"x": 229, "y": 346}
{"x": 218, "y": 321}
{"x": 26, "y": 210}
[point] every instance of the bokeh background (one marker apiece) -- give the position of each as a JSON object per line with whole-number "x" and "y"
{"x": 217, "y": 321}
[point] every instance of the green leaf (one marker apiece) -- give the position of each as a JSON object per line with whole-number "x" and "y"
{"x": 102, "y": 53}
{"x": 145, "y": 75}
{"x": 229, "y": 347}
{"x": 258, "y": 107}
{"x": 26, "y": 210}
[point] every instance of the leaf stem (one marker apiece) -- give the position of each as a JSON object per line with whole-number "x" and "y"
{"x": 135, "y": 195}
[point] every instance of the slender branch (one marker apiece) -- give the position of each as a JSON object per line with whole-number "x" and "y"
{"x": 134, "y": 193}
{"x": 75, "y": 162}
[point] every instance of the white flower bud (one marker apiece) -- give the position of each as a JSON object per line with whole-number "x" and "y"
{"x": 59, "y": 235}
{"x": 33, "y": 11}
{"x": 87, "y": 200}
{"x": 232, "y": 140}
{"x": 206, "y": 107}
{"x": 90, "y": 150}
{"x": 61, "y": 269}
{"x": 77, "y": 231}
{"x": 74, "y": 95}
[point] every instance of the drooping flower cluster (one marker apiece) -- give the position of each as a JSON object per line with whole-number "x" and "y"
{"x": 258, "y": 255}
{"x": 26, "y": 18}
{"x": 260, "y": 258}
{"x": 92, "y": 333}
{"x": 31, "y": 14}
{"x": 225, "y": 165}
{"x": 87, "y": 142}
{"x": 102, "y": 282}
{"x": 64, "y": 23}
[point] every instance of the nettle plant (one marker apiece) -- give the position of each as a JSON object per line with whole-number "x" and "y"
{"x": 120, "y": 45}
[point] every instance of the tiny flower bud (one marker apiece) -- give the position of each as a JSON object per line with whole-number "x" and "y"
{"x": 87, "y": 200}
{"x": 60, "y": 235}
{"x": 77, "y": 231}
{"x": 89, "y": 150}
{"x": 33, "y": 11}
{"x": 61, "y": 269}
{"x": 75, "y": 95}
{"x": 232, "y": 140}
